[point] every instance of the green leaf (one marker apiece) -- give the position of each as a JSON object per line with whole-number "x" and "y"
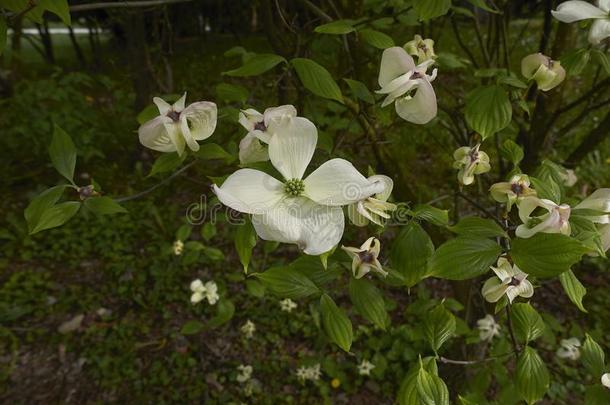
{"x": 104, "y": 206}
{"x": 166, "y": 162}
{"x": 313, "y": 269}
{"x": 410, "y": 253}
{"x": 428, "y": 9}
{"x": 431, "y": 214}
{"x": 597, "y": 395}
{"x": 192, "y": 328}
{"x": 512, "y": 81}
{"x": 210, "y": 151}
{"x": 225, "y": 309}
{"x": 593, "y": 357}
{"x": 255, "y": 288}
{"x": 532, "y": 376}
{"x": 360, "y": 90}
{"x": 316, "y": 79}
{"x": 478, "y": 227}
{"x": 527, "y": 322}
{"x": 575, "y": 61}
{"x": 376, "y": 39}
{"x": 338, "y": 27}
{"x": 256, "y": 65}
{"x": 368, "y": 302}
{"x": 422, "y": 385}
{"x": 3, "y": 34}
{"x": 546, "y": 255}
{"x": 483, "y": 5}
{"x": 601, "y": 57}
{"x": 463, "y": 258}
{"x": 439, "y": 326}
{"x": 573, "y": 288}
{"x": 232, "y": 92}
{"x": 56, "y": 215}
{"x": 287, "y": 283}
{"x": 336, "y": 324}
{"x": 40, "y": 204}
{"x": 245, "y": 240}
{"x": 148, "y": 113}
{"x": 546, "y": 189}
{"x": 63, "y": 153}
{"x": 59, "y": 8}
{"x": 488, "y": 110}
{"x": 511, "y": 151}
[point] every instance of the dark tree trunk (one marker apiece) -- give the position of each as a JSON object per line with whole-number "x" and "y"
{"x": 47, "y": 42}
{"x": 138, "y": 59}
{"x": 77, "y": 49}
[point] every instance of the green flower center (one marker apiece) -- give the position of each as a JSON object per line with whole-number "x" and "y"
{"x": 294, "y": 187}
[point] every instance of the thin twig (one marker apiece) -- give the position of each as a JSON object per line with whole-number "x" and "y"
{"x": 472, "y": 362}
{"x": 480, "y": 208}
{"x": 123, "y": 4}
{"x": 511, "y": 331}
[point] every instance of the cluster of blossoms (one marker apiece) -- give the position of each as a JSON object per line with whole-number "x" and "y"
{"x": 310, "y": 373}
{"x": 209, "y": 291}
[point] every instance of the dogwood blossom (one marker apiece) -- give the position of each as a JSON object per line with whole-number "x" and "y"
{"x": 509, "y": 281}
{"x": 512, "y": 191}
{"x": 287, "y": 305}
{"x": 488, "y": 328}
{"x": 303, "y": 211}
{"x": 245, "y": 373}
{"x": 365, "y": 367}
{"x": 547, "y": 73}
{"x": 556, "y": 220}
{"x": 312, "y": 373}
{"x": 606, "y": 380}
{"x": 248, "y": 329}
{"x": 177, "y": 126}
{"x": 407, "y": 86}
{"x": 251, "y": 149}
{"x": 573, "y": 10}
{"x": 597, "y": 207}
{"x": 364, "y": 258}
{"x": 470, "y": 161}
{"x": 209, "y": 291}
{"x": 569, "y": 349}
{"x": 422, "y": 48}
{"x": 373, "y": 208}
{"x": 178, "y": 247}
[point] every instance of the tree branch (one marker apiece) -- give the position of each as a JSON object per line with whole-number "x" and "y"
{"x": 123, "y": 4}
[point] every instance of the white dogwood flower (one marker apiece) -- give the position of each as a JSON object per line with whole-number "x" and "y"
{"x": 251, "y": 149}
{"x": 248, "y": 329}
{"x": 488, "y": 327}
{"x": 407, "y": 86}
{"x": 373, "y": 208}
{"x": 287, "y": 305}
{"x": 245, "y": 373}
{"x": 512, "y": 191}
{"x": 556, "y": 220}
{"x": 177, "y": 126}
{"x": 470, "y": 161}
{"x": 569, "y": 349}
{"x": 547, "y": 73}
{"x": 209, "y": 291}
{"x": 422, "y": 48}
{"x": 364, "y": 258}
{"x": 599, "y": 205}
{"x": 573, "y": 10}
{"x": 509, "y": 280}
{"x": 365, "y": 367}
{"x": 606, "y": 380}
{"x": 303, "y": 211}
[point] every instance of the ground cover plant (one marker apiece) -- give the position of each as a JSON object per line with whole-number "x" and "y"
{"x": 264, "y": 201}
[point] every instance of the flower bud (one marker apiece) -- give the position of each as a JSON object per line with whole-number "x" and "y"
{"x": 422, "y": 48}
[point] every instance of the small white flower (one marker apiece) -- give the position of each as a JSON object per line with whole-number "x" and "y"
{"x": 513, "y": 191}
{"x": 312, "y": 373}
{"x": 556, "y": 220}
{"x": 373, "y": 208}
{"x": 365, "y": 258}
{"x": 178, "y": 247}
{"x": 245, "y": 373}
{"x": 510, "y": 280}
{"x": 302, "y": 373}
{"x": 399, "y": 78}
{"x": 470, "y": 161}
{"x": 569, "y": 177}
{"x": 488, "y": 328}
{"x": 365, "y": 367}
{"x": 209, "y": 291}
{"x": 248, "y": 329}
{"x": 569, "y": 349}
{"x": 547, "y": 73}
{"x": 606, "y": 380}
{"x": 577, "y": 10}
{"x": 287, "y": 305}
{"x": 177, "y": 126}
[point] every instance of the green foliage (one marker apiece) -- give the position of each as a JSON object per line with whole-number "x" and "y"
{"x": 104, "y": 206}
{"x": 411, "y": 251}
{"x": 336, "y": 27}
{"x": 336, "y": 324}
{"x": 63, "y": 154}
{"x": 511, "y": 151}
{"x": 245, "y": 240}
{"x": 368, "y": 301}
{"x": 527, "y": 322}
{"x": 593, "y": 357}
{"x": 573, "y": 288}
{"x": 488, "y": 110}
{"x": 360, "y": 90}
{"x": 3, "y": 34}
{"x": 422, "y": 385}
{"x": 317, "y": 79}
{"x": 478, "y": 227}
{"x": 287, "y": 282}
{"x": 532, "y": 376}
{"x": 428, "y": 9}
{"x": 256, "y": 65}
{"x": 166, "y": 162}
{"x": 439, "y": 326}
{"x": 464, "y": 257}
{"x": 376, "y": 38}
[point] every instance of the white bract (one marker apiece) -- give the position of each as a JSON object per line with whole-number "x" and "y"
{"x": 177, "y": 126}
{"x": 555, "y": 220}
{"x": 373, "y": 208}
{"x": 569, "y": 349}
{"x": 303, "y": 211}
{"x": 513, "y": 191}
{"x": 510, "y": 281}
{"x": 248, "y": 329}
{"x": 547, "y": 73}
{"x": 606, "y": 380}
{"x": 251, "y": 149}
{"x": 364, "y": 258}
{"x": 488, "y": 328}
{"x": 573, "y": 10}
{"x": 597, "y": 207}
{"x": 209, "y": 291}
{"x": 407, "y": 86}
{"x": 422, "y": 48}
{"x": 365, "y": 367}
{"x": 470, "y": 161}
{"x": 287, "y": 305}
{"x": 245, "y": 373}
